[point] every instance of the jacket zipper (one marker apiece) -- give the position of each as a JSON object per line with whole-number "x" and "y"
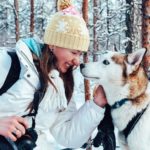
{"x": 29, "y": 62}
{"x": 31, "y": 65}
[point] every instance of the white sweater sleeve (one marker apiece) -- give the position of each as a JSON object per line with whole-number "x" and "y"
{"x": 73, "y": 127}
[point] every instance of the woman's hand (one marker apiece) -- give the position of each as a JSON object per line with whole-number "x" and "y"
{"x": 99, "y": 96}
{"x": 13, "y": 127}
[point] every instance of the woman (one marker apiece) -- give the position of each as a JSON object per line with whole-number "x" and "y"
{"x": 65, "y": 38}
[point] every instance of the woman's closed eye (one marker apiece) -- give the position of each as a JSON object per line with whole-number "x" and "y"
{"x": 77, "y": 53}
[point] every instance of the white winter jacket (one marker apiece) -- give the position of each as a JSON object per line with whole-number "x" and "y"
{"x": 69, "y": 126}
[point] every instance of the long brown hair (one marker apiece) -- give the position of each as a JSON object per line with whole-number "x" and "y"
{"x": 47, "y": 63}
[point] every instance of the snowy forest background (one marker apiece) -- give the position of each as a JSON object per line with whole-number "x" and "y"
{"x": 119, "y": 25}
{"x": 113, "y": 24}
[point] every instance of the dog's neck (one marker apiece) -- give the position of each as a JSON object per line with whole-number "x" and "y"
{"x": 116, "y": 93}
{"x": 123, "y": 114}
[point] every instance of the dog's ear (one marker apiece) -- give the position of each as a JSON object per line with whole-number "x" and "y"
{"x": 134, "y": 60}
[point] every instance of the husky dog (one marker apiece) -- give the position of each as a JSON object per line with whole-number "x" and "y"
{"x": 127, "y": 89}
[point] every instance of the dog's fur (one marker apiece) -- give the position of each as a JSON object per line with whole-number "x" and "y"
{"x": 123, "y": 76}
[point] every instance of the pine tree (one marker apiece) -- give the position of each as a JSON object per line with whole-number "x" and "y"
{"x": 16, "y": 5}
{"x": 32, "y": 17}
{"x": 146, "y": 30}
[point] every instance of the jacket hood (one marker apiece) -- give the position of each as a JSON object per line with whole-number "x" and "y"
{"x": 35, "y": 45}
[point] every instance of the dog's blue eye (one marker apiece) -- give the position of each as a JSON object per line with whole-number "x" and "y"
{"x": 106, "y": 62}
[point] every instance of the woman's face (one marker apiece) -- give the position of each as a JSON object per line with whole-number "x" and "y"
{"x": 66, "y": 58}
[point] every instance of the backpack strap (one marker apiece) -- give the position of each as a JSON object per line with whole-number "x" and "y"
{"x": 38, "y": 95}
{"x": 13, "y": 74}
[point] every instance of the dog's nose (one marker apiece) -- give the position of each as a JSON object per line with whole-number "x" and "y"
{"x": 82, "y": 66}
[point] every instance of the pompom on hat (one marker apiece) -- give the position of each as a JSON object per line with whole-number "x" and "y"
{"x": 67, "y": 28}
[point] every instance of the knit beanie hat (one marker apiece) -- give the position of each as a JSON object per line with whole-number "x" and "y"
{"x": 67, "y": 28}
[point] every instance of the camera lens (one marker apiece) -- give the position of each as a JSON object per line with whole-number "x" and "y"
{"x": 27, "y": 141}
{"x": 26, "y": 144}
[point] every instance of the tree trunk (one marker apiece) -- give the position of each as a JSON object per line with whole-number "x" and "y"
{"x": 56, "y": 5}
{"x": 32, "y": 17}
{"x": 85, "y": 57}
{"x": 85, "y": 10}
{"x": 146, "y": 24}
{"x": 85, "y": 16}
{"x": 146, "y": 30}
{"x": 107, "y": 20}
{"x": 95, "y": 18}
{"x": 16, "y": 19}
{"x": 129, "y": 30}
{"x": 137, "y": 25}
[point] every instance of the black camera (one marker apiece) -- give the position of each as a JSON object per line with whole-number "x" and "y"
{"x": 28, "y": 140}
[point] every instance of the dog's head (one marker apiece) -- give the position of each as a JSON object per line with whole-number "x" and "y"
{"x": 118, "y": 73}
